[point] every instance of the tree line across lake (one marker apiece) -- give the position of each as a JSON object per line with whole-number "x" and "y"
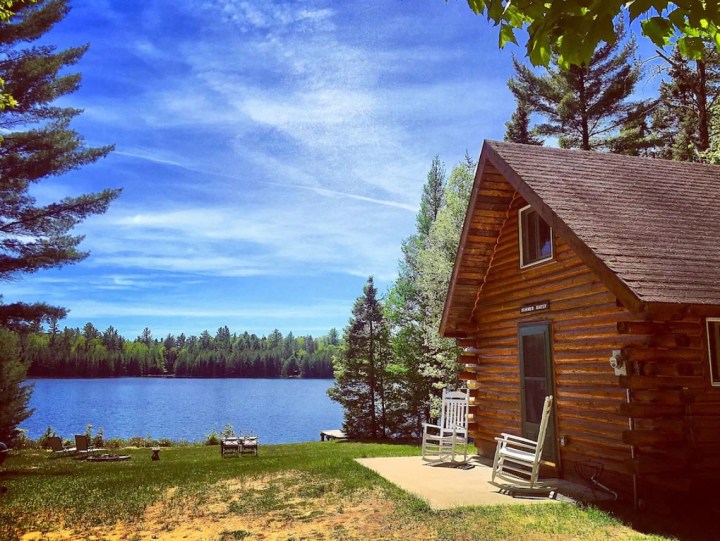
{"x": 90, "y": 353}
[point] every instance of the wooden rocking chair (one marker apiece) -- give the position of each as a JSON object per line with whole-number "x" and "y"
{"x": 517, "y": 460}
{"x": 440, "y": 441}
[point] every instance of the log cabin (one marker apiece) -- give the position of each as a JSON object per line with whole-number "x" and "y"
{"x": 594, "y": 277}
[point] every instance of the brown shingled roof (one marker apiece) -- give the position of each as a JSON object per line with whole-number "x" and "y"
{"x": 653, "y": 224}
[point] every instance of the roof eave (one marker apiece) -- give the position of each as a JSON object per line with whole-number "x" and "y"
{"x": 444, "y": 331}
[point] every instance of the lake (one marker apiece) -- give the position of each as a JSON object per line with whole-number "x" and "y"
{"x": 277, "y": 410}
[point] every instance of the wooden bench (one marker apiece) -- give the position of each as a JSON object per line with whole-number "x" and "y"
{"x": 332, "y": 435}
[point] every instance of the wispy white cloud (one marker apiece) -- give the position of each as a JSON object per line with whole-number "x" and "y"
{"x": 303, "y": 233}
{"x": 142, "y": 155}
{"x": 389, "y": 203}
{"x": 271, "y": 16}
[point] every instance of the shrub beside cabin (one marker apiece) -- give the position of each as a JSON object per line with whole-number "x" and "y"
{"x": 568, "y": 259}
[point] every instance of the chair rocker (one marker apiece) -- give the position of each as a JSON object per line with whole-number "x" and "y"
{"x": 517, "y": 460}
{"x": 441, "y": 441}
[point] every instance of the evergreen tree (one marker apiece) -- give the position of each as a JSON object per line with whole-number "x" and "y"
{"x": 683, "y": 119}
{"x": 426, "y": 363}
{"x": 333, "y": 338}
{"x": 432, "y": 198}
{"x": 517, "y": 129}
{"x": 583, "y": 106}
{"x": 360, "y": 368}
{"x": 439, "y": 366}
{"x": 24, "y": 317}
{"x": 636, "y": 138}
{"x": 15, "y": 395}
{"x": 38, "y": 143}
{"x": 407, "y": 310}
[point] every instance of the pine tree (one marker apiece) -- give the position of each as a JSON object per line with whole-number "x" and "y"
{"x": 517, "y": 129}
{"x": 361, "y": 368}
{"x": 15, "y": 395}
{"x": 439, "y": 366}
{"x": 636, "y": 138}
{"x": 584, "y": 107}
{"x": 683, "y": 119}
{"x": 426, "y": 362}
{"x": 38, "y": 143}
{"x": 432, "y": 197}
{"x": 406, "y": 307}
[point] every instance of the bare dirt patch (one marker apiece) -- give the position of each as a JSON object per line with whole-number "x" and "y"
{"x": 280, "y": 507}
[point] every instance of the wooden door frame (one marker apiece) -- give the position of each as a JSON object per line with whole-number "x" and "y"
{"x": 546, "y": 325}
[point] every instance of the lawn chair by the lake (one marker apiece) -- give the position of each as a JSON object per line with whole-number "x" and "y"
{"x": 230, "y": 445}
{"x": 57, "y": 448}
{"x": 249, "y": 444}
{"x": 84, "y": 446}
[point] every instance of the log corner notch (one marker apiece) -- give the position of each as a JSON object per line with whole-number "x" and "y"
{"x": 468, "y": 362}
{"x": 674, "y": 418}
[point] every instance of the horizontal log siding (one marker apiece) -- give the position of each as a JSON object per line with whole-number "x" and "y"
{"x": 675, "y": 408}
{"x": 584, "y": 317}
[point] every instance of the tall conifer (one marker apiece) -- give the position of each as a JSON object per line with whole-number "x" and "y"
{"x": 38, "y": 143}
{"x": 517, "y": 129}
{"x": 683, "y": 119}
{"x": 584, "y": 107}
{"x": 361, "y": 368}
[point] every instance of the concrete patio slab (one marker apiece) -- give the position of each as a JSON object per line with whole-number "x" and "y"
{"x": 444, "y": 487}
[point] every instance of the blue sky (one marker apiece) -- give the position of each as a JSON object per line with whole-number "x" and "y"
{"x": 272, "y": 154}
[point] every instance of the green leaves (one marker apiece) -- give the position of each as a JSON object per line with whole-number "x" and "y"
{"x": 659, "y": 30}
{"x": 574, "y": 28}
{"x": 507, "y": 35}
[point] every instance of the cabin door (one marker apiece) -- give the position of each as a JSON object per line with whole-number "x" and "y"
{"x": 536, "y": 382}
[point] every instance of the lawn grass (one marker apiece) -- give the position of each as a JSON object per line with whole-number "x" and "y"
{"x": 292, "y": 484}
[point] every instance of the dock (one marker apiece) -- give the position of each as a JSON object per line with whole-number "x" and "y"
{"x": 332, "y": 435}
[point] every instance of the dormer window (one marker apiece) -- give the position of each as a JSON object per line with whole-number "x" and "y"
{"x": 535, "y": 238}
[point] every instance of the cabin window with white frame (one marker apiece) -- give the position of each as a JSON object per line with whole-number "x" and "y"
{"x": 713, "y": 333}
{"x": 535, "y": 238}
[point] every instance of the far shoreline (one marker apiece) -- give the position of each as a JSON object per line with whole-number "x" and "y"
{"x": 171, "y": 376}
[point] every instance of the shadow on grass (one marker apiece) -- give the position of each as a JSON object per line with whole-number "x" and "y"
{"x": 688, "y": 519}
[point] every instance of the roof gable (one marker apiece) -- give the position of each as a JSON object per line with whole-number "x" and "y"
{"x": 649, "y": 228}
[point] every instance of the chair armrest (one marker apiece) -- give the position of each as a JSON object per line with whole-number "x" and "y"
{"x": 429, "y": 426}
{"x": 511, "y": 437}
{"x": 516, "y": 443}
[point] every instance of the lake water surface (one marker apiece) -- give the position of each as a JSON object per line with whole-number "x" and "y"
{"x": 277, "y": 410}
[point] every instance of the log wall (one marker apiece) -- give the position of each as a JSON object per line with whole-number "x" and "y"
{"x": 675, "y": 409}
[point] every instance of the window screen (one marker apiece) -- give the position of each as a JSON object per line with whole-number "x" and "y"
{"x": 535, "y": 238}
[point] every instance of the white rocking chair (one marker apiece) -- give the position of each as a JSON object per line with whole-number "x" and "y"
{"x": 517, "y": 460}
{"x": 440, "y": 441}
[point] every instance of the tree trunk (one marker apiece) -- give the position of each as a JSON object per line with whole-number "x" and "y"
{"x": 703, "y": 116}
{"x": 585, "y": 120}
{"x": 371, "y": 373}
